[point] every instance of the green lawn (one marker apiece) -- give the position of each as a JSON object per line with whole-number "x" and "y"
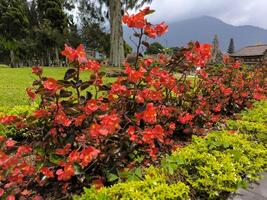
{"x": 14, "y": 81}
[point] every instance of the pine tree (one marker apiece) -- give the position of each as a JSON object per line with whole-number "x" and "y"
{"x": 231, "y": 48}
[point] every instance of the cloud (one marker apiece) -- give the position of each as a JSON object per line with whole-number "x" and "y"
{"x": 236, "y": 12}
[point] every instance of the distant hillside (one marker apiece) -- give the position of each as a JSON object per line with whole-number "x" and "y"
{"x": 204, "y": 28}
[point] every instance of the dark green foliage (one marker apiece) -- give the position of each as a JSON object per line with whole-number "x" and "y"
{"x": 154, "y": 48}
{"x": 96, "y": 38}
{"x": 13, "y": 25}
{"x": 33, "y": 32}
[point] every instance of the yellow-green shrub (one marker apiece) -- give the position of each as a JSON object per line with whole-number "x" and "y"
{"x": 253, "y": 122}
{"x": 154, "y": 186}
{"x": 17, "y": 110}
{"x": 218, "y": 164}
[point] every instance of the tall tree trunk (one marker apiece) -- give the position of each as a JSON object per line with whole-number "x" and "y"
{"x": 116, "y": 37}
{"x": 57, "y": 57}
{"x": 48, "y": 57}
{"x": 12, "y": 58}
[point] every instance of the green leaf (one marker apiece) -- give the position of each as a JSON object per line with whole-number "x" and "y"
{"x": 55, "y": 158}
{"x": 78, "y": 169}
{"x": 138, "y": 172}
{"x": 112, "y": 177}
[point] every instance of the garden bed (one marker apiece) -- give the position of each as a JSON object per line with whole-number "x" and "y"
{"x": 210, "y": 168}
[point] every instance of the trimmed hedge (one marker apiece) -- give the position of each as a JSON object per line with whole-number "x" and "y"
{"x": 253, "y": 122}
{"x": 217, "y": 165}
{"x": 212, "y": 167}
{"x": 17, "y": 110}
{"x": 154, "y": 186}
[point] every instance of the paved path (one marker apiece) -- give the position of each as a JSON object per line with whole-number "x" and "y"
{"x": 255, "y": 191}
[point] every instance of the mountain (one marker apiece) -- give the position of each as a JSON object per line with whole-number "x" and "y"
{"x": 203, "y": 30}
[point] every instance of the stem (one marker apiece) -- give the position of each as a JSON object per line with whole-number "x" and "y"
{"x": 138, "y": 47}
{"x": 77, "y": 88}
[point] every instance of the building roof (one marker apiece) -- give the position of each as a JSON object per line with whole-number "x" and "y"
{"x": 255, "y": 50}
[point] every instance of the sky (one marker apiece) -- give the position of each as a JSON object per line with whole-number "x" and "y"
{"x": 235, "y": 12}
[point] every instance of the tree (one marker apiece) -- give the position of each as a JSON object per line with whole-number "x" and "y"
{"x": 53, "y": 25}
{"x": 114, "y": 14}
{"x": 154, "y": 48}
{"x": 216, "y": 54}
{"x": 231, "y": 48}
{"x": 13, "y": 25}
{"x": 96, "y": 38}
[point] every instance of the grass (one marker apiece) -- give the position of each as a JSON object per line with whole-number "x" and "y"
{"x": 14, "y": 81}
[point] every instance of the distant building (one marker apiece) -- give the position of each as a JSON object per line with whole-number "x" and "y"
{"x": 252, "y": 55}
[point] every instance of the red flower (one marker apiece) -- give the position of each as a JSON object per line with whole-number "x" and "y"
{"x": 118, "y": 89}
{"x": 74, "y": 156}
{"x": 79, "y": 120}
{"x": 134, "y": 75}
{"x": 10, "y": 143}
{"x": 172, "y": 126}
{"x": 67, "y": 173}
{"x": 2, "y": 191}
{"x": 258, "y": 96}
{"x": 131, "y": 133}
{"x": 153, "y": 152}
{"x": 218, "y": 107}
{"x": 25, "y": 149}
{"x": 158, "y": 133}
{"x": 72, "y": 54}
{"x": 150, "y": 31}
{"x": 91, "y": 65}
{"x": 203, "y": 74}
{"x": 150, "y": 134}
{"x": 199, "y": 55}
{"x": 51, "y": 84}
{"x": 69, "y": 53}
{"x": 64, "y": 151}
{"x": 2, "y": 138}
{"x": 37, "y": 70}
{"x": 186, "y": 118}
{"x": 161, "y": 28}
{"x": 148, "y": 62}
{"x": 91, "y": 106}
{"x": 87, "y": 155}
{"x": 30, "y": 93}
{"x": 8, "y": 119}
{"x": 62, "y": 119}
{"x": 226, "y": 91}
{"x": 11, "y": 197}
{"x": 150, "y": 114}
{"x": 236, "y": 65}
{"x": 82, "y": 57}
{"x": 134, "y": 21}
{"x": 42, "y": 113}
{"x": 47, "y": 172}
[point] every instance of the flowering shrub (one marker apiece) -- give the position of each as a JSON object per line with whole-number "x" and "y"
{"x": 76, "y": 138}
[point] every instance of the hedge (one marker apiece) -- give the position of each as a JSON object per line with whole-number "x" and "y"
{"x": 208, "y": 168}
{"x": 17, "y": 110}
